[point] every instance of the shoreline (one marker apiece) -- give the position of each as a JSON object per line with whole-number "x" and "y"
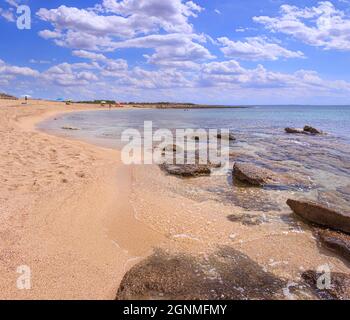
{"x": 75, "y": 240}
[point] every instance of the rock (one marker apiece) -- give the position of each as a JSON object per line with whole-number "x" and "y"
{"x": 312, "y": 130}
{"x": 248, "y": 219}
{"x": 251, "y": 174}
{"x": 70, "y": 128}
{"x": 321, "y": 215}
{"x": 258, "y": 176}
{"x": 335, "y": 241}
{"x": 230, "y": 136}
{"x": 294, "y": 130}
{"x": 224, "y": 275}
{"x": 187, "y": 170}
{"x": 305, "y": 130}
{"x": 338, "y": 290}
{"x": 172, "y": 148}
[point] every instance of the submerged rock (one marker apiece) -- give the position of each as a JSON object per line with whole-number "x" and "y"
{"x": 257, "y": 176}
{"x": 339, "y": 285}
{"x": 187, "y": 170}
{"x": 225, "y": 275}
{"x": 248, "y": 219}
{"x": 335, "y": 241}
{"x": 229, "y": 137}
{"x": 321, "y": 215}
{"x": 306, "y": 130}
{"x": 70, "y": 128}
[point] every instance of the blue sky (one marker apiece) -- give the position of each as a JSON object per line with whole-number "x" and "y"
{"x": 223, "y": 51}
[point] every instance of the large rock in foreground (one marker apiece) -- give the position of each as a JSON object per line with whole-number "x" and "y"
{"x": 335, "y": 241}
{"x": 224, "y": 275}
{"x": 257, "y": 176}
{"x": 321, "y": 215}
{"x": 338, "y": 290}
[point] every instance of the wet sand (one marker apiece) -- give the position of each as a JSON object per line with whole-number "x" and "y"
{"x": 80, "y": 219}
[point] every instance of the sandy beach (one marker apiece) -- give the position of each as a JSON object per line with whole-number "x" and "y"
{"x": 80, "y": 219}
{"x": 59, "y": 202}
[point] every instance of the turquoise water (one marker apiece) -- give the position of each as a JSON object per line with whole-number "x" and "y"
{"x": 260, "y": 139}
{"x": 102, "y": 126}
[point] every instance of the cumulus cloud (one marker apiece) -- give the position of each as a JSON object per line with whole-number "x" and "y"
{"x": 10, "y": 70}
{"x": 65, "y": 74}
{"x": 172, "y": 50}
{"x": 117, "y": 20}
{"x": 255, "y": 48}
{"x": 232, "y": 74}
{"x": 321, "y": 26}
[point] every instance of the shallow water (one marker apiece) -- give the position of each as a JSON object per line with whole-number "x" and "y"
{"x": 324, "y": 160}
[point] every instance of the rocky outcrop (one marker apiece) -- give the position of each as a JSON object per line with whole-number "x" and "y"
{"x": 321, "y": 214}
{"x": 306, "y": 130}
{"x": 339, "y": 285}
{"x": 259, "y": 177}
{"x": 335, "y": 241}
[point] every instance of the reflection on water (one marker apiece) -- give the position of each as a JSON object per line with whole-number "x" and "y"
{"x": 324, "y": 160}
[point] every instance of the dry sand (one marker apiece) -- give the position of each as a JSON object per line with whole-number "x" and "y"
{"x": 64, "y": 211}
{"x": 80, "y": 219}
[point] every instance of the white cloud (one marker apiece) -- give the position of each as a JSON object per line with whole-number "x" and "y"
{"x": 116, "y": 20}
{"x": 172, "y": 50}
{"x": 12, "y": 71}
{"x": 48, "y": 34}
{"x": 65, "y": 74}
{"x": 89, "y": 55}
{"x": 230, "y": 74}
{"x": 7, "y": 15}
{"x": 322, "y": 26}
{"x": 256, "y": 48}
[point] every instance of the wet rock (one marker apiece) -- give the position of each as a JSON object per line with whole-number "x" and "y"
{"x": 172, "y": 148}
{"x": 312, "y": 130}
{"x": 70, "y": 128}
{"x": 259, "y": 177}
{"x": 339, "y": 285}
{"x": 225, "y": 275}
{"x": 187, "y": 170}
{"x": 294, "y": 130}
{"x": 321, "y": 214}
{"x": 305, "y": 130}
{"x": 335, "y": 241}
{"x": 248, "y": 219}
{"x": 229, "y": 137}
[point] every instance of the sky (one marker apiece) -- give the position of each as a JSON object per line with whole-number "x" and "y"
{"x": 201, "y": 51}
